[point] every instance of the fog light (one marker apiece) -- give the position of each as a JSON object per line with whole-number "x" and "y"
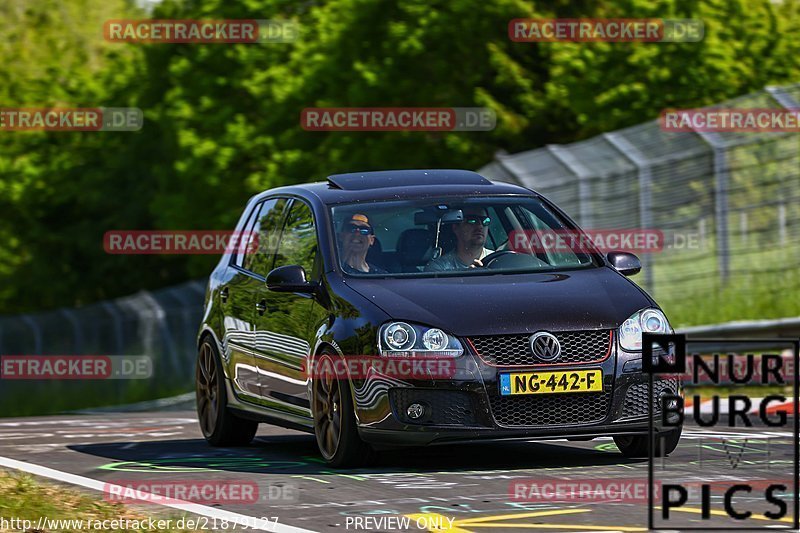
{"x": 415, "y": 411}
{"x": 672, "y": 404}
{"x": 667, "y": 397}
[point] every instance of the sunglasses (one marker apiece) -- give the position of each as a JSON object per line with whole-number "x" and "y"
{"x": 478, "y": 219}
{"x": 353, "y": 228}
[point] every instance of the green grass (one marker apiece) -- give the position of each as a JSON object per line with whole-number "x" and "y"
{"x": 24, "y": 497}
{"x": 33, "y": 398}
{"x": 688, "y": 287}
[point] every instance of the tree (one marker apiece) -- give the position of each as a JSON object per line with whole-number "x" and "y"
{"x": 223, "y": 121}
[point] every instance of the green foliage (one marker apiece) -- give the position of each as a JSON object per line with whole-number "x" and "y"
{"x": 223, "y": 121}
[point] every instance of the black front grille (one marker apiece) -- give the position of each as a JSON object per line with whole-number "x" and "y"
{"x": 550, "y": 409}
{"x": 576, "y": 347}
{"x": 443, "y": 407}
{"x": 636, "y": 397}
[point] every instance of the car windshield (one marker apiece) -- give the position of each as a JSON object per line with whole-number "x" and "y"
{"x": 455, "y": 237}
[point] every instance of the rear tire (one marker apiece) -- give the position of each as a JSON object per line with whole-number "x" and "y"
{"x": 220, "y": 427}
{"x": 636, "y": 446}
{"x": 334, "y": 420}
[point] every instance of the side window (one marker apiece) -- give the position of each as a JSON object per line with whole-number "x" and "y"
{"x": 497, "y": 235}
{"x": 241, "y": 247}
{"x": 267, "y": 230}
{"x": 299, "y": 241}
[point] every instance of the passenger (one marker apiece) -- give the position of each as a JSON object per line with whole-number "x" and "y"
{"x": 471, "y": 236}
{"x": 356, "y": 237}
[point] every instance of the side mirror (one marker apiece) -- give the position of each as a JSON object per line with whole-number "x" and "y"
{"x": 289, "y": 278}
{"x": 625, "y": 263}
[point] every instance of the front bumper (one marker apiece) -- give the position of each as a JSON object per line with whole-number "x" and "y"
{"x": 468, "y": 407}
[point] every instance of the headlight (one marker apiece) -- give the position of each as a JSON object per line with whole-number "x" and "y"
{"x": 648, "y": 320}
{"x": 399, "y": 336}
{"x": 435, "y": 339}
{"x": 399, "y": 339}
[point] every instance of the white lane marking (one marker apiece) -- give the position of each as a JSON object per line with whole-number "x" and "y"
{"x": 88, "y": 422}
{"x": 54, "y": 445}
{"x": 202, "y": 510}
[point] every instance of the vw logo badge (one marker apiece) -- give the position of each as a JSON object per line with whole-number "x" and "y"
{"x": 545, "y": 346}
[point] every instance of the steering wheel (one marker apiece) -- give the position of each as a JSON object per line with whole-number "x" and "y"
{"x": 494, "y": 256}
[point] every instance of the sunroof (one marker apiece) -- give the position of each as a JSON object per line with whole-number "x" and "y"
{"x": 359, "y": 181}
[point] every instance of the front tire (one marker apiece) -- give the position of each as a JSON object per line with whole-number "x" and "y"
{"x": 334, "y": 420}
{"x": 636, "y": 446}
{"x": 220, "y": 427}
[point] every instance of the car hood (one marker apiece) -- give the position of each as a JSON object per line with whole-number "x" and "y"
{"x": 596, "y": 298}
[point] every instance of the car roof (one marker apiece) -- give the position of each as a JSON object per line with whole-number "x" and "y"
{"x": 399, "y": 184}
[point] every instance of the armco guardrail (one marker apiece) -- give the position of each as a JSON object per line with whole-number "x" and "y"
{"x": 722, "y": 339}
{"x": 161, "y": 324}
{"x": 782, "y": 327}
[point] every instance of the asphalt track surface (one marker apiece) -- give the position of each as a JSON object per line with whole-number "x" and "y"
{"x": 470, "y": 485}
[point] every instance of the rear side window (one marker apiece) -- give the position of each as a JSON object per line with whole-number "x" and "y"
{"x": 299, "y": 241}
{"x": 243, "y": 239}
{"x": 266, "y": 230}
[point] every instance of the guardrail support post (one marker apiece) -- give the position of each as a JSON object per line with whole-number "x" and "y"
{"x": 645, "y": 174}
{"x": 582, "y": 174}
{"x": 721, "y": 180}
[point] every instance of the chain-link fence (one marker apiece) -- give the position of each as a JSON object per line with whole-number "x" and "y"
{"x": 726, "y": 202}
{"x": 160, "y": 324}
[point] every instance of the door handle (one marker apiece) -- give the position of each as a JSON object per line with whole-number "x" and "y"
{"x": 261, "y": 307}
{"x": 223, "y": 295}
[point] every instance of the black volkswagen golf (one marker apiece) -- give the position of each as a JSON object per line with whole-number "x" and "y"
{"x": 412, "y": 307}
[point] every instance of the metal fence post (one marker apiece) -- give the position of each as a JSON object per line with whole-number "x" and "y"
{"x": 111, "y": 309}
{"x": 184, "y": 353}
{"x": 787, "y": 101}
{"x": 498, "y": 158}
{"x": 158, "y": 315}
{"x": 77, "y": 346}
{"x": 721, "y": 207}
{"x": 37, "y": 333}
{"x": 582, "y": 174}
{"x": 645, "y": 175}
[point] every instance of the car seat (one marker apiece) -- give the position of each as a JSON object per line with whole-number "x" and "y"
{"x": 415, "y": 248}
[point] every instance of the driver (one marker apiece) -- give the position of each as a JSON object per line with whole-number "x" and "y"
{"x": 470, "y": 239}
{"x": 356, "y": 237}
